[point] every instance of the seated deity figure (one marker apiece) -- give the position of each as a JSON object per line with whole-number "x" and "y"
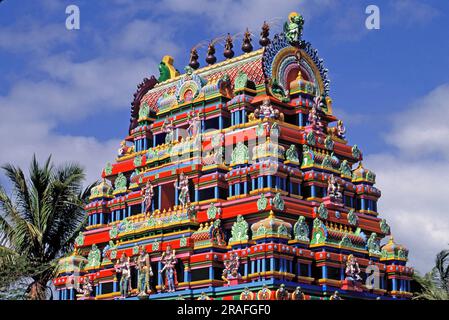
{"x": 266, "y": 110}
{"x": 148, "y": 198}
{"x": 282, "y": 293}
{"x": 246, "y": 294}
{"x": 352, "y": 270}
{"x": 123, "y": 267}
{"x": 144, "y": 272}
{"x": 298, "y": 294}
{"x": 169, "y": 128}
{"x": 335, "y": 296}
{"x": 341, "y": 130}
{"x": 86, "y": 288}
{"x": 203, "y": 296}
{"x": 124, "y": 149}
{"x": 194, "y": 122}
{"x": 168, "y": 259}
{"x": 182, "y": 184}
{"x": 264, "y": 293}
{"x": 334, "y": 189}
{"x": 231, "y": 270}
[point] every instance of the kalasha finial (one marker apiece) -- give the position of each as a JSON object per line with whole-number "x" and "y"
{"x": 228, "y": 52}
{"x": 211, "y": 58}
{"x": 247, "y": 46}
{"x": 194, "y": 64}
{"x": 264, "y": 40}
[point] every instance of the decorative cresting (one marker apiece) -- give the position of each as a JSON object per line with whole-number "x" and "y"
{"x": 360, "y": 174}
{"x": 345, "y": 169}
{"x": 94, "y": 257}
{"x": 239, "y": 230}
{"x": 268, "y": 149}
{"x": 262, "y": 202}
{"x": 277, "y": 202}
{"x": 321, "y": 211}
{"x": 239, "y": 154}
{"x": 319, "y": 232}
{"x": 352, "y": 218}
{"x": 271, "y": 227}
{"x": 102, "y": 190}
{"x": 373, "y": 244}
{"x": 213, "y": 212}
{"x": 209, "y": 234}
{"x": 292, "y": 154}
{"x": 394, "y": 251}
{"x": 301, "y": 230}
{"x": 166, "y": 69}
{"x": 120, "y": 184}
{"x": 241, "y": 81}
{"x": 281, "y": 56}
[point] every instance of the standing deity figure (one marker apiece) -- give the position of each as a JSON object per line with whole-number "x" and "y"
{"x": 86, "y": 288}
{"x": 182, "y": 184}
{"x": 123, "y": 266}
{"x": 168, "y": 259}
{"x": 334, "y": 189}
{"x": 298, "y": 294}
{"x": 168, "y": 127}
{"x": 282, "y": 293}
{"x": 144, "y": 272}
{"x": 341, "y": 130}
{"x": 352, "y": 270}
{"x": 194, "y": 122}
{"x": 231, "y": 270}
{"x": 148, "y": 198}
{"x": 314, "y": 114}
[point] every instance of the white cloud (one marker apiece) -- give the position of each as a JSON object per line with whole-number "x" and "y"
{"x": 414, "y": 178}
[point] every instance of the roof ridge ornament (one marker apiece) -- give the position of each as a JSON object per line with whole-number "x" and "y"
{"x": 293, "y": 28}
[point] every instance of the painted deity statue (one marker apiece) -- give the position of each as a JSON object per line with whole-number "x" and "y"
{"x": 124, "y": 149}
{"x": 266, "y": 110}
{"x": 168, "y": 259}
{"x": 334, "y": 189}
{"x": 341, "y": 130}
{"x": 194, "y": 122}
{"x": 231, "y": 270}
{"x": 86, "y": 288}
{"x": 182, "y": 184}
{"x": 314, "y": 115}
{"x": 148, "y": 198}
{"x": 298, "y": 294}
{"x": 144, "y": 272}
{"x": 203, "y": 296}
{"x": 246, "y": 294}
{"x": 169, "y": 128}
{"x": 352, "y": 270}
{"x": 282, "y": 293}
{"x": 264, "y": 293}
{"x": 123, "y": 267}
{"x": 335, "y": 296}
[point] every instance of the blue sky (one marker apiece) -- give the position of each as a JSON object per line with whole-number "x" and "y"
{"x": 68, "y": 92}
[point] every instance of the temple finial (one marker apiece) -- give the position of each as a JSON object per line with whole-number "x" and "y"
{"x": 247, "y": 46}
{"x": 228, "y": 52}
{"x": 193, "y": 63}
{"x": 264, "y": 40}
{"x": 211, "y": 58}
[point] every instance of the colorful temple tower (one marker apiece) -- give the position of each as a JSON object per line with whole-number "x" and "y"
{"x": 236, "y": 181}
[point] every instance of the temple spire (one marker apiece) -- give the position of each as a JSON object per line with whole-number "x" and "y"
{"x": 193, "y": 63}
{"x": 228, "y": 52}
{"x": 264, "y": 40}
{"x": 211, "y": 58}
{"x": 247, "y": 46}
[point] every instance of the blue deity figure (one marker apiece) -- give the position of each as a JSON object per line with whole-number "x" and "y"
{"x": 169, "y": 260}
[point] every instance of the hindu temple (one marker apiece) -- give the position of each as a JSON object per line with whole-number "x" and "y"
{"x": 236, "y": 182}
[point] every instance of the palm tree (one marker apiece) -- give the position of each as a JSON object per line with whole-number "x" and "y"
{"x": 39, "y": 222}
{"x": 435, "y": 284}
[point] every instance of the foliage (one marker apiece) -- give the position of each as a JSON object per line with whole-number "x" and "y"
{"x": 434, "y": 285}
{"x": 39, "y": 222}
